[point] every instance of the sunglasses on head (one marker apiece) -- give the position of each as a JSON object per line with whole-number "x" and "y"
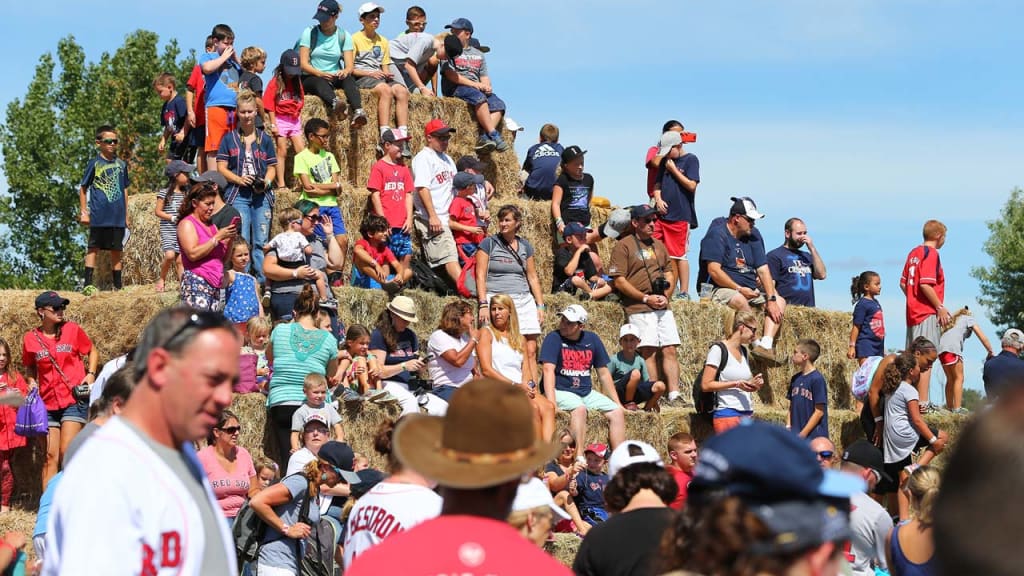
{"x": 231, "y": 429}
{"x": 201, "y": 320}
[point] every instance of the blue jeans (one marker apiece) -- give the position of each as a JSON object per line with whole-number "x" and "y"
{"x": 255, "y": 211}
{"x": 444, "y": 392}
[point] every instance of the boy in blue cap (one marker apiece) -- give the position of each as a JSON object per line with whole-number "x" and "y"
{"x": 465, "y": 77}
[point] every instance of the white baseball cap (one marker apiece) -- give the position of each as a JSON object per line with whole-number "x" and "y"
{"x": 574, "y": 313}
{"x": 512, "y": 125}
{"x": 667, "y": 141}
{"x": 632, "y": 452}
{"x": 534, "y": 494}
{"x": 368, "y": 7}
{"x": 629, "y": 330}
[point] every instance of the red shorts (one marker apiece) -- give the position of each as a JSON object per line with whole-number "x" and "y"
{"x": 674, "y": 235}
{"x": 219, "y": 121}
{"x": 948, "y": 358}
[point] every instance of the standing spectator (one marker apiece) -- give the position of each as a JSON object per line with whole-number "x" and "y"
{"x": 637, "y": 496}
{"x": 501, "y": 356}
{"x": 642, "y": 276}
{"x": 571, "y": 194}
{"x": 391, "y": 195}
{"x": 825, "y": 451}
{"x": 195, "y": 101}
{"x": 186, "y": 363}
{"x": 867, "y": 337}
{"x": 396, "y": 347}
{"x": 11, "y": 384}
{"x": 869, "y": 522}
{"x": 416, "y": 55}
{"x": 105, "y": 185}
{"x": 629, "y": 372}
{"x": 228, "y": 466}
{"x": 221, "y": 73}
{"x": 173, "y": 118}
{"x": 794, "y": 270}
{"x": 462, "y": 216}
{"x": 731, "y": 379}
{"x": 434, "y": 171}
{"x": 505, "y": 264}
{"x": 451, "y": 350}
{"x": 873, "y": 412}
{"x": 396, "y": 504}
{"x": 483, "y": 191}
{"x": 466, "y": 78}
{"x": 484, "y": 418}
{"x": 733, "y": 261}
{"x": 248, "y": 162}
{"x": 568, "y": 355}
{"x": 808, "y": 396}
{"x": 283, "y": 103}
{"x": 911, "y": 549}
{"x": 682, "y": 459}
{"x": 653, "y": 159}
{"x": 674, "y": 193}
{"x": 541, "y": 164}
{"x": 168, "y": 203}
{"x": 242, "y": 300}
{"x": 320, "y": 176}
{"x": 296, "y": 350}
{"x": 924, "y": 284}
{"x": 374, "y": 71}
{"x": 203, "y": 248}
{"x": 951, "y": 355}
{"x": 254, "y": 62}
{"x": 1005, "y": 371}
{"x": 575, "y": 268}
{"x": 52, "y": 355}
{"x": 323, "y": 48}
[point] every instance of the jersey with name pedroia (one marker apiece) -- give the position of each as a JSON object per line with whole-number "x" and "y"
{"x": 388, "y": 508}
{"x": 138, "y": 518}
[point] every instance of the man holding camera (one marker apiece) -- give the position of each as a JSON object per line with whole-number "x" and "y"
{"x": 642, "y": 275}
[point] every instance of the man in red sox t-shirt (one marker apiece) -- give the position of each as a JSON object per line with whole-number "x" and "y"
{"x": 925, "y": 286}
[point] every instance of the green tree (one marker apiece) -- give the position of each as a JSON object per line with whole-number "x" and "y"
{"x": 48, "y": 137}
{"x": 1002, "y": 284}
{"x": 973, "y": 399}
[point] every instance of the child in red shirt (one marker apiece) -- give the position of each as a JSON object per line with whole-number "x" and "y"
{"x": 391, "y": 188}
{"x": 462, "y": 215}
{"x": 374, "y": 264}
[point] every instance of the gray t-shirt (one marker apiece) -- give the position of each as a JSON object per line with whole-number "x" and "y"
{"x": 317, "y": 261}
{"x": 870, "y": 524}
{"x": 505, "y": 274}
{"x": 214, "y": 560}
{"x": 900, "y": 436}
{"x": 277, "y": 550}
{"x": 328, "y": 411}
{"x": 470, "y": 64}
{"x": 79, "y": 440}
{"x": 415, "y": 46}
{"x": 952, "y": 340}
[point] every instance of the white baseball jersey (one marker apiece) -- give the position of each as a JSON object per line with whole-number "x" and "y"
{"x": 120, "y": 509}
{"x": 389, "y": 507}
{"x": 435, "y": 171}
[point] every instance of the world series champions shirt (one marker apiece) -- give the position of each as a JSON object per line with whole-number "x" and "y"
{"x": 574, "y": 360}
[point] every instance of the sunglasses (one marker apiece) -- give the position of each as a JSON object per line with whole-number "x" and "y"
{"x": 333, "y": 467}
{"x": 749, "y": 220}
{"x": 322, "y": 136}
{"x": 753, "y": 329}
{"x": 649, "y": 220}
{"x": 316, "y": 430}
{"x": 108, "y": 141}
{"x": 56, "y": 308}
{"x": 825, "y": 455}
{"x": 313, "y": 217}
{"x": 231, "y": 429}
{"x": 442, "y": 137}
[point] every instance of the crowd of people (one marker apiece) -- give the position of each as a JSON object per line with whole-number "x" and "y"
{"x": 477, "y": 476}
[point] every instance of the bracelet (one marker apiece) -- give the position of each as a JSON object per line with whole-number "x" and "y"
{"x": 295, "y": 273}
{"x": 484, "y": 304}
{"x": 852, "y": 345}
{"x": 879, "y": 418}
{"x": 541, "y": 307}
{"x": 404, "y": 369}
{"x": 646, "y": 296}
{"x": 559, "y": 222}
{"x": 932, "y": 440}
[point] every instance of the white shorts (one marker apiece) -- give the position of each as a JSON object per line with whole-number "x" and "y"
{"x": 526, "y": 312}
{"x": 657, "y": 329}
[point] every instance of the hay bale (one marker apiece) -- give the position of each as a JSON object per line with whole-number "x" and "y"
{"x": 564, "y": 548}
{"x": 18, "y": 520}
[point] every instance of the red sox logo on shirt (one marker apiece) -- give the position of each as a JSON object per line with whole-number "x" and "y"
{"x": 170, "y": 554}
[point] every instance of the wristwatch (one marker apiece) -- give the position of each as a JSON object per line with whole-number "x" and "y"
{"x": 772, "y": 298}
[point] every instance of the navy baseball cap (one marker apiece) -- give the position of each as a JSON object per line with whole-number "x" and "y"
{"x": 325, "y": 10}
{"x": 573, "y": 228}
{"x": 290, "y": 62}
{"x": 50, "y": 298}
{"x": 176, "y": 167}
{"x": 641, "y": 211}
{"x": 368, "y": 478}
{"x": 476, "y": 44}
{"x": 341, "y": 456}
{"x": 469, "y": 162}
{"x": 465, "y": 179}
{"x": 766, "y": 463}
{"x": 460, "y": 24}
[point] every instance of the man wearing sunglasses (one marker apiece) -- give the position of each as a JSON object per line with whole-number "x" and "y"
{"x": 869, "y": 521}
{"x": 137, "y": 499}
{"x": 733, "y": 262}
{"x": 433, "y": 172}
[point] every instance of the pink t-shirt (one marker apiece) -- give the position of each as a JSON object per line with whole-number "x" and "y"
{"x": 211, "y": 266}
{"x": 232, "y": 489}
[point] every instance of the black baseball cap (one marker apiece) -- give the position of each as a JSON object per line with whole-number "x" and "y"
{"x": 571, "y": 153}
{"x": 469, "y": 162}
{"x": 50, "y": 298}
{"x": 866, "y": 454}
{"x": 452, "y": 47}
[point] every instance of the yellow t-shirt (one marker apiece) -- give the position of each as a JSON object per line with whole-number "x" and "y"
{"x": 371, "y": 54}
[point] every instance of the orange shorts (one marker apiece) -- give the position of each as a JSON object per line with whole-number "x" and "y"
{"x": 721, "y": 424}
{"x": 675, "y": 236}
{"x": 219, "y": 121}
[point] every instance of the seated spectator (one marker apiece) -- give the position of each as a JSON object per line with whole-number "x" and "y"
{"x": 358, "y": 368}
{"x": 415, "y": 56}
{"x": 629, "y": 372}
{"x": 674, "y": 191}
{"x": 825, "y": 451}
{"x": 911, "y": 548}
{"x": 293, "y": 251}
{"x": 590, "y": 483}
{"x": 396, "y": 348}
{"x": 481, "y": 198}
{"x": 228, "y": 466}
{"x": 682, "y": 459}
{"x": 327, "y": 59}
{"x": 450, "y": 350}
{"x": 534, "y": 512}
{"x": 374, "y": 71}
{"x": 466, "y": 78}
{"x": 391, "y": 194}
{"x": 560, "y": 475}
{"x": 568, "y": 356}
{"x": 1005, "y": 371}
{"x": 575, "y": 268}
{"x": 374, "y": 265}
{"x": 571, "y": 194}
{"x": 462, "y": 216}
{"x": 540, "y": 169}
{"x": 731, "y": 378}
{"x": 794, "y": 270}
{"x": 732, "y": 260}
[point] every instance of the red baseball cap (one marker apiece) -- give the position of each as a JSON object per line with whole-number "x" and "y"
{"x": 437, "y": 126}
{"x": 599, "y": 449}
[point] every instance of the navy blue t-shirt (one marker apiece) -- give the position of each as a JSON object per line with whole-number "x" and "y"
{"x": 173, "y": 115}
{"x": 740, "y": 259}
{"x": 1002, "y": 373}
{"x": 406, "y": 348}
{"x": 253, "y": 83}
{"x": 574, "y": 360}
{"x": 793, "y": 272}
{"x": 542, "y": 161}
{"x": 867, "y": 317}
{"x": 106, "y": 181}
{"x": 576, "y": 196}
{"x": 806, "y": 390}
{"x": 680, "y": 202}
{"x": 590, "y": 489}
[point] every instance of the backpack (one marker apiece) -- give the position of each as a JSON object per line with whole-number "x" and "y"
{"x": 318, "y": 551}
{"x": 249, "y": 529}
{"x": 705, "y": 402}
{"x": 314, "y": 38}
{"x": 424, "y": 277}
{"x": 31, "y": 416}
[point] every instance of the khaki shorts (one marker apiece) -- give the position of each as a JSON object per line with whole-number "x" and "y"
{"x": 724, "y": 295}
{"x": 440, "y": 249}
{"x": 929, "y": 328}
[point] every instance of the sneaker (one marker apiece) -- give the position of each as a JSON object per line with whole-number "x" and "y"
{"x": 927, "y": 408}
{"x": 89, "y": 290}
{"x": 329, "y": 303}
{"x": 392, "y": 287}
{"x": 499, "y": 143}
{"x": 359, "y": 119}
{"x": 406, "y": 151}
{"x": 484, "y": 145}
{"x": 764, "y": 353}
{"x": 961, "y": 411}
{"x": 682, "y": 296}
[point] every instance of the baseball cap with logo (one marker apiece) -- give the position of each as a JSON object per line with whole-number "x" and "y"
{"x": 460, "y": 24}
{"x": 290, "y": 62}
{"x": 745, "y": 206}
{"x": 597, "y": 448}
{"x": 326, "y": 10}
{"x": 393, "y": 135}
{"x": 632, "y": 452}
{"x": 574, "y": 313}
{"x": 50, "y": 298}
{"x": 313, "y": 418}
{"x": 437, "y": 126}
{"x": 641, "y": 211}
{"x": 571, "y": 153}
{"x": 866, "y": 454}
{"x": 629, "y": 330}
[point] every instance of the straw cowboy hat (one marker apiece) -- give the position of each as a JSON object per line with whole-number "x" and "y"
{"x": 485, "y": 439}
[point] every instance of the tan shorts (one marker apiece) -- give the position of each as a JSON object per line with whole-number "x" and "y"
{"x": 724, "y": 295}
{"x": 440, "y": 249}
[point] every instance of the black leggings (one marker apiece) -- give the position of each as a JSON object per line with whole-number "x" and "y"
{"x": 281, "y": 421}
{"x": 324, "y": 89}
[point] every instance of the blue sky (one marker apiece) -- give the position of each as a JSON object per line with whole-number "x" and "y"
{"x": 864, "y": 118}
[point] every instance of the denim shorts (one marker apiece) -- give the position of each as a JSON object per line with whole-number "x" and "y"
{"x": 475, "y": 98}
{"x": 77, "y": 412}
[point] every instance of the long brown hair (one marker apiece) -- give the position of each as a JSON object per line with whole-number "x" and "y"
{"x": 307, "y": 304}
{"x": 897, "y": 372}
{"x": 196, "y": 193}
{"x": 10, "y": 370}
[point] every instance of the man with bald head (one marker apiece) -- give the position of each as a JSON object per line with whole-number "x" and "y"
{"x": 825, "y": 451}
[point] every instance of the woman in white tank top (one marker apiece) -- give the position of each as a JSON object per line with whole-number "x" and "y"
{"x": 500, "y": 354}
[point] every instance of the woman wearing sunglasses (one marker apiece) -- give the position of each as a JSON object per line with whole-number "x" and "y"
{"x": 228, "y": 466}
{"x": 731, "y": 378}
{"x": 55, "y": 356}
